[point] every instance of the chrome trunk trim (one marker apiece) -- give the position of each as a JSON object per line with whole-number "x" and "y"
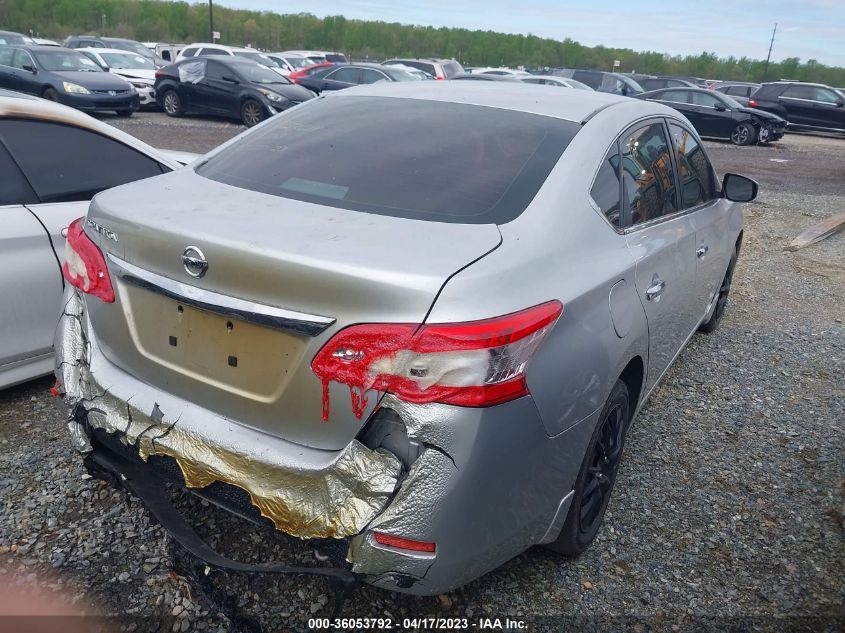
{"x": 243, "y": 309}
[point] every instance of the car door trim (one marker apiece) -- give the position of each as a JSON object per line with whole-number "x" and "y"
{"x": 250, "y": 311}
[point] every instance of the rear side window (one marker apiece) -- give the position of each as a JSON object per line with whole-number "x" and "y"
{"x": 67, "y": 164}
{"x": 647, "y": 174}
{"x": 189, "y": 52}
{"x": 346, "y": 75}
{"x": 213, "y": 51}
{"x": 14, "y": 189}
{"x": 697, "y": 178}
{"x": 445, "y": 162}
{"x": 6, "y": 55}
{"x": 675, "y": 96}
{"x": 593, "y": 80}
{"x": 606, "y": 187}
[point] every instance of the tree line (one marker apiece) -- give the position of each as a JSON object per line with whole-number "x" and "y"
{"x": 182, "y": 22}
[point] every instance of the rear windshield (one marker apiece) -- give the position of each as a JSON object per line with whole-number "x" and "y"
{"x": 407, "y": 158}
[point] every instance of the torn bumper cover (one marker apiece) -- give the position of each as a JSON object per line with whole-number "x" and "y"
{"x": 333, "y": 498}
{"x": 482, "y": 484}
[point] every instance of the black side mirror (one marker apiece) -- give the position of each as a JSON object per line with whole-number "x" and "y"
{"x": 720, "y": 107}
{"x": 839, "y": 104}
{"x": 231, "y": 79}
{"x": 739, "y": 188}
{"x": 30, "y": 68}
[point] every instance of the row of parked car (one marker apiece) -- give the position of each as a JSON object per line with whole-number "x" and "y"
{"x": 744, "y": 113}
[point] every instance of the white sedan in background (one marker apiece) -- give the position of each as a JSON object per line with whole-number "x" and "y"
{"x": 53, "y": 159}
{"x": 554, "y": 80}
{"x": 138, "y": 70}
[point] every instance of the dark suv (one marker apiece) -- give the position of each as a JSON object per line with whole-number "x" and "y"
{"x": 813, "y": 106}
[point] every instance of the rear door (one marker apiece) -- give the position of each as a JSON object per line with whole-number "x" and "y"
{"x": 708, "y": 212}
{"x": 31, "y": 283}
{"x": 799, "y": 101}
{"x": 344, "y": 77}
{"x": 64, "y": 167}
{"x": 661, "y": 240}
{"x": 213, "y": 93}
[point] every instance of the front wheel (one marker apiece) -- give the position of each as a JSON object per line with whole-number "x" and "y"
{"x": 50, "y": 94}
{"x": 743, "y": 134}
{"x": 711, "y": 321}
{"x": 124, "y": 113}
{"x": 252, "y": 113}
{"x": 172, "y": 103}
{"x": 597, "y": 475}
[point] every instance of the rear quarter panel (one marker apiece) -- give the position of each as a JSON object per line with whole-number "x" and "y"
{"x": 562, "y": 248}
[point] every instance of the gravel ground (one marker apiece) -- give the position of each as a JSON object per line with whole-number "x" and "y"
{"x": 727, "y": 513}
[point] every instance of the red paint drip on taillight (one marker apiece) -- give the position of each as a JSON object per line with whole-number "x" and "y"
{"x": 474, "y": 364}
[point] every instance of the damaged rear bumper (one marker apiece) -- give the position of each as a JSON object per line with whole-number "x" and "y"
{"x": 485, "y": 484}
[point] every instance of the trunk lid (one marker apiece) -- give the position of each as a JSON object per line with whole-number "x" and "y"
{"x": 266, "y": 256}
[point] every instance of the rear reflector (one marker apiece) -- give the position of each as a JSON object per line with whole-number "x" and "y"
{"x": 403, "y": 543}
{"x": 473, "y": 364}
{"x": 85, "y": 266}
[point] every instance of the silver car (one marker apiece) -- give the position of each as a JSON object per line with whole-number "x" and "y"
{"x": 417, "y": 339}
{"x": 53, "y": 159}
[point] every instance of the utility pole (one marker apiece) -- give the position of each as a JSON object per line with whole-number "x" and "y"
{"x": 768, "y": 57}
{"x": 210, "y": 21}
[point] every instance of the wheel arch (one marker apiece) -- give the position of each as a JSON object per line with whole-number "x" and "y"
{"x": 634, "y": 378}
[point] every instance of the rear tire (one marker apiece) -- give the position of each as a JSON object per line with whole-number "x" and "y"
{"x": 595, "y": 480}
{"x": 718, "y": 308}
{"x": 50, "y": 94}
{"x": 252, "y": 113}
{"x": 171, "y": 103}
{"x": 743, "y": 134}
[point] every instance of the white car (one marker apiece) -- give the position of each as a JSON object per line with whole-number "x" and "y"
{"x": 320, "y": 57}
{"x": 507, "y": 72}
{"x": 198, "y": 49}
{"x": 54, "y": 159}
{"x": 290, "y": 62}
{"x": 138, "y": 70}
{"x": 552, "y": 80}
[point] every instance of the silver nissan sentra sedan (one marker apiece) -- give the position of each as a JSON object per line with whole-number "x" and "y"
{"x": 408, "y": 323}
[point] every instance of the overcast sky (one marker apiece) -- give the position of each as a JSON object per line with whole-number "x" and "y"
{"x": 809, "y": 29}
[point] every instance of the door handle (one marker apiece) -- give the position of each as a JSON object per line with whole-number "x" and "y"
{"x": 702, "y": 251}
{"x": 654, "y": 291}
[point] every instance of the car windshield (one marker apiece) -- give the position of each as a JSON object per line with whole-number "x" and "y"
{"x": 729, "y": 101}
{"x": 259, "y": 74}
{"x": 397, "y": 73}
{"x": 57, "y": 61}
{"x": 258, "y": 57}
{"x": 298, "y": 62}
{"x": 127, "y": 60}
{"x": 456, "y": 162}
{"x": 134, "y": 47}
{"x": 11, "y": 38}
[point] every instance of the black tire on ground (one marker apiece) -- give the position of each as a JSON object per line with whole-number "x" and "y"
{"x": 595, "y": 480}
{"x": 50, "y": 94}
{"x": 712, "y": 320}
{"x": 252, "y": 112}
{"x": 124, "y": 113}
{"x": 171, "y": 103}
{"x": 743, "y": 134}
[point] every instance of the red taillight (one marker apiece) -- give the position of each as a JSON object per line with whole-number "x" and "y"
{"x": 753, "y": 103}
{"x": 403, "y": 543}
{"x": 85, "y": 266}
{"x": 440, "y": 77}
{"x": 475, "y": 364}
{"x": 160, "y": 74}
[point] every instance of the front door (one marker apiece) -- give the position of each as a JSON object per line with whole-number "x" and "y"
{"x": 661, "y": 241}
